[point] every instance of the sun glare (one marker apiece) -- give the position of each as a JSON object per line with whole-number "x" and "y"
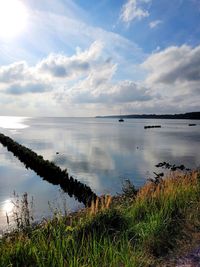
{"x": 8, "y": 122}
{"x": 13, "y": 18}
{"x": 7, "y": 206}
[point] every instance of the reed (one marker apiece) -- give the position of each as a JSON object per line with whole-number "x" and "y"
{"x": 100, "y": 204}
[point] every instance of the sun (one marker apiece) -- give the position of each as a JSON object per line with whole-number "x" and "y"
{"x": 13, "y": 18}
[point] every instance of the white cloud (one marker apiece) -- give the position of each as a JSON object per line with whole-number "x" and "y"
{"x": 29, "y": 87}
{"x": 174, "y": 74}
{"x": 131, "y": 11}
{"x": 99, "y": 87}
{"x": 155, "y": 23}
{"x": 58, "y": 65}
{"x": 13, "y": 72}
{"x": 88, "y": 76}
{"x": 19, "y": 78}
{"x": 60, "y": 75}
{"x": 174, "y": 64}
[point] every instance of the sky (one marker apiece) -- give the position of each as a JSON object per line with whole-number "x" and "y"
{"x": 88, "y": 58}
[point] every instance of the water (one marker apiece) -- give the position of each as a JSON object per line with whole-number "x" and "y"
{"x": 98, "y": 152}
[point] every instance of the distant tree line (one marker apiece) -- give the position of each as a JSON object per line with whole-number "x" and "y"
{"x": 185, "y": 116}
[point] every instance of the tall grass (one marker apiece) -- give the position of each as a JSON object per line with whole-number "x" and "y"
{"x": 128, "y": 231}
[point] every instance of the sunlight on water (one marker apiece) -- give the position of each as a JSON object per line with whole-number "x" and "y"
{"x": 7, "y": 122}
{"x": 6, "y": 214}
{"x": 7, "y": 206}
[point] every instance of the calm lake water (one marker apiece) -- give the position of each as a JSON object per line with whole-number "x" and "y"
{"x": 98, "y": 152}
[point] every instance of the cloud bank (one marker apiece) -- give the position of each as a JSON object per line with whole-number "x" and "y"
{"x": 88, "y": 80}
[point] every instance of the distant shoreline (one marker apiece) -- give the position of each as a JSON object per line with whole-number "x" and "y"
{"x": 185, "y": 116}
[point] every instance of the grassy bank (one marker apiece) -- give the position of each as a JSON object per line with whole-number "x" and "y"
{"x": 129, "y": 230}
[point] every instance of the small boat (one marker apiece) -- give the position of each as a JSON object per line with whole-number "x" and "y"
{"x": 192, "y": 124}
{"x": 121, "y": 119}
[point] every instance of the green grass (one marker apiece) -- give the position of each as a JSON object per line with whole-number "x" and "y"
{"x": 132, "y": 230}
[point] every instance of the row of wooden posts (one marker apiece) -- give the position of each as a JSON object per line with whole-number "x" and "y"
{"x": 152, "y": 126}
{"x": 159, "y": 126}
{"x": 49, "y": 171}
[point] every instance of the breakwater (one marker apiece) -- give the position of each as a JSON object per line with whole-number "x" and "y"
{"x": 49, "y": 171}
{"x": 152, "y": 126}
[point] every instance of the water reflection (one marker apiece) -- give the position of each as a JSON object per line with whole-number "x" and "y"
{"x": 98, "y": 152}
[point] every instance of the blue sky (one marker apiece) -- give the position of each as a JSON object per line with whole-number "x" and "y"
{"x": 87, "y": 58}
